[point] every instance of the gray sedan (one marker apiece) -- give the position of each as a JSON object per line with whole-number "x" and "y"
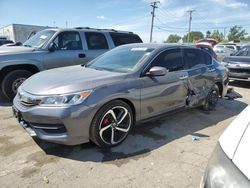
{"x": 102, "y": 100}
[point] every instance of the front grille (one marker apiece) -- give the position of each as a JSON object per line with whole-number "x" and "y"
{"x": 244, "y": 71}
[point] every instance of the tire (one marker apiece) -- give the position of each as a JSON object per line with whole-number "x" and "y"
{"x": 104, "y": 124}
{"x": 211, "y": 99}
{"x": 12, "y": 81}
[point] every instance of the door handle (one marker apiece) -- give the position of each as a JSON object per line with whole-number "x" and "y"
{"x": 211, "y": 70}
{"x": 183, "y": 77}
{"x": 81, "y": 55}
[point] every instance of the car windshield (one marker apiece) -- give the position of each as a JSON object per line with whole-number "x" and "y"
{"x": 124, "y": 59}
{"x": 39, "y": 39}
{"x": 245, "y": 51}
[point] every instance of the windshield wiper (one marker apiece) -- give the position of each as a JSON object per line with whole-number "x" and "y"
{"x": 97, "y": 68}
{"x": 100, "y": 69}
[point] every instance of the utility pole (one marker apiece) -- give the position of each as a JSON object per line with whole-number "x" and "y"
{"x": 189, "y": 27}
{"x": 224, "y": 33}
{"x": 154, "y": 6}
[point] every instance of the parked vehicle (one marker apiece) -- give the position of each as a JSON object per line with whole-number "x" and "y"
{"x": 211, "y": 41}
{"x": 222, "y": 52}
{"x": 233, "y": 48}
{"x": 20, "y": 32}
{"x": 53, "y": 48}
{"x": 239, "y": 64}
{"x": 102, "y": 100}
{"x": 3, "y": 42}
{"x": 208, "y": 48}
{"x": 229, "y": 164}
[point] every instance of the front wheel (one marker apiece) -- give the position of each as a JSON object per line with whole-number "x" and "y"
{"x": 12, "y": 81}
{"x": 111, "y": 124}
{"x": 212, "y": 98}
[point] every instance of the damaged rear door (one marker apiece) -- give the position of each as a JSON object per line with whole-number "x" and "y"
{"x": 200, "y": 75}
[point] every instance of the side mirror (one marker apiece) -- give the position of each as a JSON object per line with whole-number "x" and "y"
{"x": 52, "y": 47}
{"x": 157, "y": 71}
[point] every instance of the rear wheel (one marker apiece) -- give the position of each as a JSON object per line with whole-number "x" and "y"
{"x": 111, "y": 124}
{"x": 212, "y": 98}
{"x": 12, "y": 81}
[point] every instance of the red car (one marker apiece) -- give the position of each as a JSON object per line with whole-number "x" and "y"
{"x": 207, "y": 47}
{"x": 212, "y": 42}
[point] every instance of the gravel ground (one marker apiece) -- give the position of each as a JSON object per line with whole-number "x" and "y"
{"x": 156, "y": 154}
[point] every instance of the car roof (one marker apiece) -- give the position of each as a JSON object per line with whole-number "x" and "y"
{"x": 157, "y": 45}
{"x": 89, "y": 29}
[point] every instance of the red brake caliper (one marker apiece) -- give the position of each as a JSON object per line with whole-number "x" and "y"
{"x": 105, "y": 121}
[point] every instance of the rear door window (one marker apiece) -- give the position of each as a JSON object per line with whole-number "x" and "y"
{"x": 194, "y": 58}
{"x": 208, "y": 50}
{"x": 170, "y": 59}
{"x": 96, "y": 41}
{"x": 124, "y": 38}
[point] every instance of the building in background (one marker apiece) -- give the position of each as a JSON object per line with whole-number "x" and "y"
{"x": 19, "y": 32}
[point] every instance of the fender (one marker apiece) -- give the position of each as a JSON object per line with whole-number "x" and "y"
{"x": 12, "y": 63}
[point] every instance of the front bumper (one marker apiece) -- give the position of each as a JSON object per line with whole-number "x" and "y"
{"x": 63, "y": 125}
{"x": 239, "y": 74}
{"x": 222, "y": 172}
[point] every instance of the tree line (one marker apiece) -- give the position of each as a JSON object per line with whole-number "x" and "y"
{"x": 235, "y": 33}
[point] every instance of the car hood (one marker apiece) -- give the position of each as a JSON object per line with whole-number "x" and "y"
{"x": 237, "y": 59}
{"x": 68, "y": 80}
{"x": 235, "y": 141}
{"x": 15, "y": 49}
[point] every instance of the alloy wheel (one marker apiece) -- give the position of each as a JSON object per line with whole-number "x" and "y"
{"x": 115, "y": 125}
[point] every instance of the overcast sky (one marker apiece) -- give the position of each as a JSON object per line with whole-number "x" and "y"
{"x": 132, "y": 15}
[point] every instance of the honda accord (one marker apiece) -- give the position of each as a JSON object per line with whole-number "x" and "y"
{"x": 103, "y": 99}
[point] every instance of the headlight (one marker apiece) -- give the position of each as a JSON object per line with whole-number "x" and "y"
{"x": 223, "y": 63}
{"x": 222, "y": 172}
{"x": 63, "y": 100}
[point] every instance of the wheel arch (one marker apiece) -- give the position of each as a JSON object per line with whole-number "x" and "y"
{"x": 131, "y": 105}
{"x": 220, "y": 86}
{"x": 127, "y": 101}
{"x": 7, "y": 69}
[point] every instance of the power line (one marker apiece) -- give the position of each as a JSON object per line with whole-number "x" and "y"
{"x": 161, "y": 22}
{"x": 164, "y": 11}
{"x": 154, "y": 6}
{"x": 168, "y": 30}
{"x": 204, "y": 21}
{"x": 165, "y": 27}
{"x": 128, "y": 21}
